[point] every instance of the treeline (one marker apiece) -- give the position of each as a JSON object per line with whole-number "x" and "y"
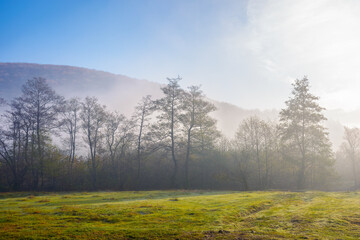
{"x": 51, "y": 143}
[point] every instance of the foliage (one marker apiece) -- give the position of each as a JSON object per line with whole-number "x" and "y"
{"x": 304, "y": 138}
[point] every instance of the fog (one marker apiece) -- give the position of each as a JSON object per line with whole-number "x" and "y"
{"x": 243, "y": 59}
{"x": 181, "y": 119}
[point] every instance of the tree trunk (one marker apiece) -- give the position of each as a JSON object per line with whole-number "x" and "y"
{"x": 138, "y": 178}
{"x": 173, "y": 177}
{"x": 301, "y": 176}
{"x": 188, "y": 147}
{"x": 354, "y": 171}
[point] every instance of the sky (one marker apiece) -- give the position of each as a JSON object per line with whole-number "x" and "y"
{"x": 244, "y": 52}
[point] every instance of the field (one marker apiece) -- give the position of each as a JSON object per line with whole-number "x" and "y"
{"x": 180, "y": 215}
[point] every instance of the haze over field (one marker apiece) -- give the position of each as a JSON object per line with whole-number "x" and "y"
{"x": 245, "y": 55}
{"x": 189, "y": 119}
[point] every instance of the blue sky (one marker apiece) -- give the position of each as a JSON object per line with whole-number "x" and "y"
{"x": 243, "y": 52}
{"x": 126, "y": 37}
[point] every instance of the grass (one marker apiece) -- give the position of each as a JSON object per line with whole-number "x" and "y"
{"x": 180, "y": 215}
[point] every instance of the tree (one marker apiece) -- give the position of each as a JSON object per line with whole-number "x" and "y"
{"x": 93, "y": 119}
{"x": 351, "y": 146}
{"x": 141, "y": 117}
{"x": 117, "y": 134}
{"x": 254, "y": 148}
{"x": 126, "y": 141}
{"x": 195, "y": 118}
{"x": 168, "y": 120}
{"x": 269, "y": 136}
{"x": 253, "y": 128}
{"x": 241, "y": 151}
{"x": 71, "y": 117}
{"x": 41, "y": 104}
{"x": 13, "y": 145}
{"x": 303, "y": 134}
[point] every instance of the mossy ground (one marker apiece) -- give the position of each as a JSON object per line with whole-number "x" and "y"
{"x": 180, "y": 215}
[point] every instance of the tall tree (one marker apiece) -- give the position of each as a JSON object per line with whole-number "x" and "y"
{"x": 141, "y": 118}
{"x": 93, "y": 119}
{"x": 70, "y": 121}
{"x": 115, "y": 130}
{"x": 168, "y": 119}
{"x": 302, "y": 131}
{"x": 14, "y": 140}
{"x": 195, "y": 118}
{"x": 126, "y": 140}
{"x": 41, "y": 104}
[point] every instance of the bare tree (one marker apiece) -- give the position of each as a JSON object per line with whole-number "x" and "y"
{"x": 114, "y": 134}
{"x": 41, "y": 104}
{"x": 352, "y": 150}
{"x": 70, "y": 120}
{"x": 195, "y": 118}
{"x": 93, "y": 119}
{"x": 253, "y": 127}
{"x": 14, "y": 143}
{"x": 270, "y": 147}
{"x": 141, "y": 118}
{"x": 168, "y": 119}
{"x": 241, "y": 152}
{"x": 127, "y": 140}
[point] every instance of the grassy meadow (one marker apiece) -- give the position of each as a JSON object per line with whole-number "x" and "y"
{"x": 180, "y": 215}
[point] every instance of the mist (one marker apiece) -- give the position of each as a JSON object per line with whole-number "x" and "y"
{"x": 181, "y": 119}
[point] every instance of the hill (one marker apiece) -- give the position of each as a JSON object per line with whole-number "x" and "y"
{"x": 117, "y": 91}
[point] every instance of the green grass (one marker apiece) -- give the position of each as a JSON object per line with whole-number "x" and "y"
{"x": 180, "y": 215}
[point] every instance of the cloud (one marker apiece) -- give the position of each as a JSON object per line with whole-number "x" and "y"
{"x": 289, "y": 39}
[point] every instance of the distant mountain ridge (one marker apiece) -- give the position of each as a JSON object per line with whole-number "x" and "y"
{"x": 120, "y": 92}
{"x": 69, "y": 80}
